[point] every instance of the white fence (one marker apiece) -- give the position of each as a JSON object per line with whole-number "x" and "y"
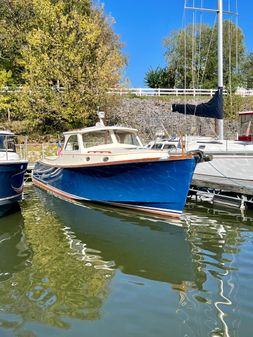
{"x": 175, "y": 92}
{"x": 162, "y": 92}
{"x": 150, "y": 91}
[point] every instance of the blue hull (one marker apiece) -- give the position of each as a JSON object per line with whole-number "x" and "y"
{"x": 11, "y": 182}
{"x": 159, "y": 187}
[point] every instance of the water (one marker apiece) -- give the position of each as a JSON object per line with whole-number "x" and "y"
{"x": 71, "y": 270}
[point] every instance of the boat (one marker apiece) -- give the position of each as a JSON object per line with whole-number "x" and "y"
{"x": 109, "y": 164}
{"x": 231, "y": 167}
{"x": 232, "y": 160}
{"x": 12, "y": 171}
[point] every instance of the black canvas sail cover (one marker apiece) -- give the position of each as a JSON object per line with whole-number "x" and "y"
{"x": 211, "y": 109}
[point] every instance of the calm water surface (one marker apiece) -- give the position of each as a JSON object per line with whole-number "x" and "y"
{"x": 71, "y": 270}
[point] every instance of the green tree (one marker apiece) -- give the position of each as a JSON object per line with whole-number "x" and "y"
{"x": 5, "y": 99}
{"x": 160, "y": 78}
{"x": 16, "y": 20}
{"x": 75, "y": 48}
{"x": 48, "y": 44}
{"x": 247, "y": 70}
{"x": 192, "y": 52}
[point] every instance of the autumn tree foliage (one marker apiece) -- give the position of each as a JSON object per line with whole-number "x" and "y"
{"x": 65, "y": 54}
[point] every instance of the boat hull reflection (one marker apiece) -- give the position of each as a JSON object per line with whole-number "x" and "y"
{"x": 14, "y": 251}
{"x": 147, "y": 247}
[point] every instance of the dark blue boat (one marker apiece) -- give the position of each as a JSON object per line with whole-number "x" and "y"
{"x": 108, "y": 164}
{"x": 12, "y": 170}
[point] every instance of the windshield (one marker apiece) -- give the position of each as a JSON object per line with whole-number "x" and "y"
{"x": 125, "y": 137}
{"x": 96, "y": 138}
{"x": 7, "y": 143}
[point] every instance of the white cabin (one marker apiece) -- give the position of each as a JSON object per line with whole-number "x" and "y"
{"x": 100, "y": 138}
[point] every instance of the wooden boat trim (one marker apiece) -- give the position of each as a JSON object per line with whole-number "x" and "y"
{"x": 116, "y": 162}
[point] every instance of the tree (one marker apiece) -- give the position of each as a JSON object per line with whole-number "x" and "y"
{"x": 192, "y": 52}
{"x": 79, "y": 51}
{"x": 5, "y": 80}
{"x": 160, "y": 78}
{"x": 16, "y": 20}
{"x": 247, "y": 70}
{"x": 69, "y": 44}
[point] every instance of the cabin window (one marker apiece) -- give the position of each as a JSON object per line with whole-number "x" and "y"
{"x": 157, "y": 146}
{"x": 170, "y": 147}
{"x": 96, "y": 138}
{"x": 7, "y": 143}
{"x": 127, "y": 138}
{"x": 72, "y": 144}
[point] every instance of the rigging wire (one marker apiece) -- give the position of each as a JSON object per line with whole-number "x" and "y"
{"x": 230, "y": 37}
{"x": 237, "y": 60}
{"x": 185, "y": 63}
{"x": 193, "y": 46}
{"x": 236, "y": 39}
{"x": 206, "y": 57}
{"x": 208, "y": 51}
{"x": 194, "y": 50}
{"x": 199, "y": 44}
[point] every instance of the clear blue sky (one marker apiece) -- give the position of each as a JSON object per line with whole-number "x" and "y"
{"x": 143, "y": 24}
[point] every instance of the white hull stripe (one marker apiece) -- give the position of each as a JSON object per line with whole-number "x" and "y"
{"x": 12, "y": 197}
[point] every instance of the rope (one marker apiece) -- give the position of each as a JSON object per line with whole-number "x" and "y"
{"x": 236, "y": 183}
{"x": 199, "y": 45}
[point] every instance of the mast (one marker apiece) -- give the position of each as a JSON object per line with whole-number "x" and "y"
{"x": 219, "y": 122}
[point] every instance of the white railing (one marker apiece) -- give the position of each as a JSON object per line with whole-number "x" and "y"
{"x": 150, "y": 91}
{"x": 175, "y": 92}
{"x": 162, "y": 92}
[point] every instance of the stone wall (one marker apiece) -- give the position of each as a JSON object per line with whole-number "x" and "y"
{"x": 151, "y": 115}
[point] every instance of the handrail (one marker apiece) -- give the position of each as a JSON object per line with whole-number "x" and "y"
{"x": 148, "y": 91}
{"x": 163, "y": 92}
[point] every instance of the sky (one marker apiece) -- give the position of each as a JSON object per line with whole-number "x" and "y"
{"x": 142, "y": 26}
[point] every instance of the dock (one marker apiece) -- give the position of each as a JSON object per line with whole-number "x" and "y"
{"x": 223, "y": 190}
